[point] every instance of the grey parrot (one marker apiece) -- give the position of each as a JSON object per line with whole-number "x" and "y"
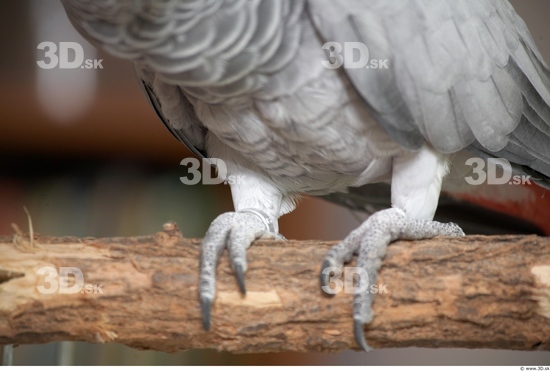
{"x": 255, "y": 84}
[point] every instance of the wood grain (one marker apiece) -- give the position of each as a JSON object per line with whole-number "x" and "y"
{"x": 472, "y": 292}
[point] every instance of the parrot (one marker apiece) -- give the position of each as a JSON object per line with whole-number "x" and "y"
{"x": 267, "y": 86}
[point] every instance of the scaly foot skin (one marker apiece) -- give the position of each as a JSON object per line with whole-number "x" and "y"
{"x": 236, "y": 231}
{"x": 370, "y": 241}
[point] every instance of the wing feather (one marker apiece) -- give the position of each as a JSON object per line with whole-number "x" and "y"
{"x": 464, "y": 74}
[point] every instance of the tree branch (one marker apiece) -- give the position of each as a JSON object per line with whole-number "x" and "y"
{"x": 473, "y": 292}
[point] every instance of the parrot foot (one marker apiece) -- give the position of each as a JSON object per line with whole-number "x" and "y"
{"x": 236, "y": 231}
{"x": 370, "y": 241}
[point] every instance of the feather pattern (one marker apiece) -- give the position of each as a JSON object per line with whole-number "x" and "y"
{"x": 467, "y": 72}
{"x": 243, "y": 80}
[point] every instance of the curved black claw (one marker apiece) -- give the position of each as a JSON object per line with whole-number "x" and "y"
{"x": 206, "y": 305}
{"x": 359, "y": 333}
{"x": 240, "y": 277}
{"x": 324, "y": 277}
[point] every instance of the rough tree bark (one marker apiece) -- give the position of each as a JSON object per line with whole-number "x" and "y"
{"x": 491, "y": 292}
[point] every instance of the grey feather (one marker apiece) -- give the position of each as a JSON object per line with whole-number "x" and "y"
{"x": 178, "y": 117}
{"x": 467, "y": 71}
{"x": 464, "y": 74}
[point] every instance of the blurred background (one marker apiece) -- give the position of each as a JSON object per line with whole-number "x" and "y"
{"x": 83, "y": 151}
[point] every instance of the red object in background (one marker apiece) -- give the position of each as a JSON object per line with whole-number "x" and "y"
{"x": 527, "y": 202}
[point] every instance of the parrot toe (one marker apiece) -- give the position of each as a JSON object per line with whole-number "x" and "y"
{"x": 235, "y": 231}
{"x": 370, "y": 241}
